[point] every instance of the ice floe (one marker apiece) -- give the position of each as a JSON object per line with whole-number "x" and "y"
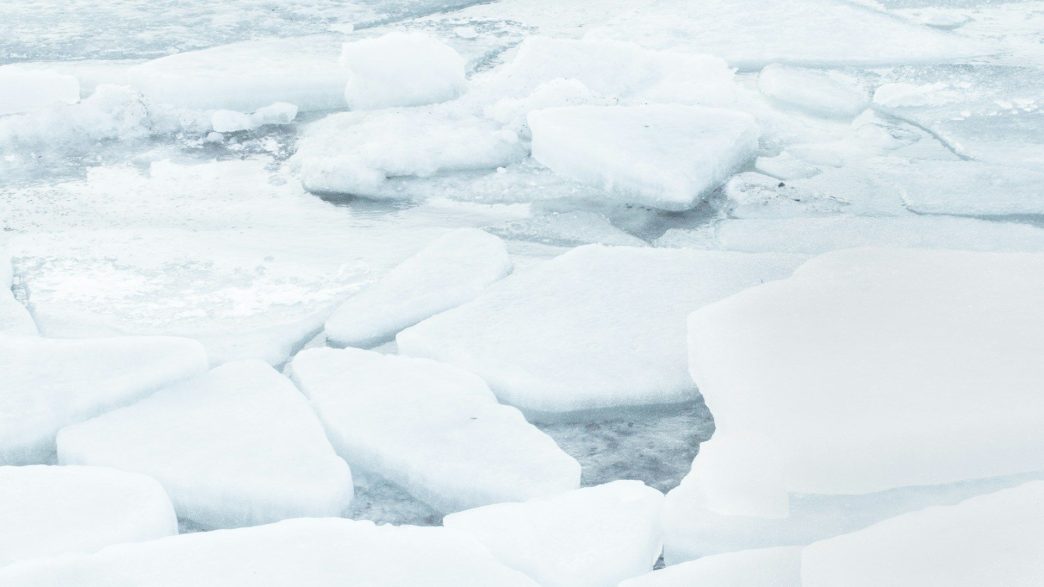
{"x": 764, "y": 567}
{"x": 815, "y": 92}
{"x": 401, "y": 69}
{"x": 24, "y": 90}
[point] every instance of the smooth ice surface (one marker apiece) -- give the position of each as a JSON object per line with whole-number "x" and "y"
{"x": 863, "y": 335}
{"x": 432, "y": 428}
{"x": 767, "y": 567}
{"x": 591, "y": 537}
{"x": 315, "y": 552}
{"x": 46, "y": 511}
{"x": 236, "y": 446}
{"x": 50, "y": 383}
{"x": 248, "y": 75}
{"x": 22, "y": 91}
{"x": 661, "y": 156}
{"x": 968, "y": 188}
{"x": 994, "y": 539}
{"x": 815, "y": 92}
{"x": 451, "y": 270}
{"x": 401, "y": 69}
{"x": 613, "y": 344}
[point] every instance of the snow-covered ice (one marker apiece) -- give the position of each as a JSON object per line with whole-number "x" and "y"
{"x": 591, "y": 537}
{"x": 401, "y": 69}
{"x": 326, "y": 552}
{"x": 232, "y": 121}
{"x": 765, "y": 567}
{"x": 22, "y": 91}
{"x": 50, "y": 383}
{"x": 662, "y": 156}
{"x": 576, "y": 334}
{"x": 14, "y": 317}
{"x": 812, "y": 91}
{"x": 434, "y": 429}
{"x": 452, "y": 270}
{"x": 236, "y": 446}
{"x": 47, "y": 511}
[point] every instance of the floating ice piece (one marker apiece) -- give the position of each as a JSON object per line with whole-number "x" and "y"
{"x": 990, "y": 539}
{"x": 816, "y": 235}
{"x": 235, "y": 447}
{"x": 355, "y": 152}
{"x": 785, "y": 166}
{"x": 49, "y": 383}
{"x": 851, "y": 340}
{"x": 567, "y": 228}
{"x": 327, "y": 552}
{"x": 401, "y": 69}
{"x": 613, "y": 346}
{"x": 26, "y": 90}
{"x": 46, "y": 511}
{"x": 14, "y": 317}
{"x": 248, "y": 75}
{"x": 452, "y": 270}
{"x": 818, "y": 93}
{"x": 434, "y": 429}
{"x": 967, "y": 188}
{"x": 765, "y": 567}
{"x": 591, "y": 537}
{"x": 662, "y": 156}
{"x": 232, "y": 121}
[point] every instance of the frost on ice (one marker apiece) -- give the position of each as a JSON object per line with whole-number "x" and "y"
{"x": 236, "y": 446}
{"x": 432, "y": 428}
{"x": 47, "y": 511}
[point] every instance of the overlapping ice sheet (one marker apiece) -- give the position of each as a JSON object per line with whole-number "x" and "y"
{"x": 236, "y": 446}
{"x": 434, "y": 429}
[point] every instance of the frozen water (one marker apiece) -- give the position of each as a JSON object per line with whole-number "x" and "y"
{"x": 14, "y": 317}
{"x": 613, "y": 345}
{"x": 452, "y": 270}
{"x": 434, "y": 429}
{"x": 817, "y": 93}
{"x": 662, "y": 156}
{"x": 866, "y": 334}
{"x": 401, "y": 69}
{"x": 232, "y": 121}
{"x": 767, "y": 567}
{"x": 315, "y": 552}
{"x": 48, "y": 384}
{"x": 990, "y": 539}
{"x": 22, "y": 91}
{"x": 48, "y": 511}
{"x": 591, "y": 537}
{"x": 237, "y": 446}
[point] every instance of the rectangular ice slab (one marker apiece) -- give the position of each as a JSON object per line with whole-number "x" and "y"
{"x": 994, "y": 539}
{"x": 451, "y": 270}
{"x": 50, "y": 383}
{"x": 328, "y": 552}
{"x": 234, "y": 447}
{"x": 598, "y": 327}
{"x": 591, "y": 537}
{"x": 46, "y": 511}
{"x": 432, "y": 428}
{"x": 664, "y": 156}
{"x": 401, "y": 69}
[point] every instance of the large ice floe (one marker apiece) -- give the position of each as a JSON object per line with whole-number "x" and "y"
{"x": 452, "y": 270}
{"x": 48, "y": 383}
{"x": 434, "y": 429}
{"x": 48, "y": 510}
{"x": 236, "y": 446}
{"x": 803, "y": 374}
{"x": 591, "y": 537}
{"x": 612, "y": 346}
{"x": 401, "y": 69}
{"x": 315, "y": 552}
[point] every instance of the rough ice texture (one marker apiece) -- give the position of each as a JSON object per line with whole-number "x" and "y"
{"x": 401, "y": 69}
{"x": 234, "y": 447}
{"x": 232, "y": 121}
{"x": 326, "y": 552}
{"x": 994, "y": 539}
{"x": 51, "y": 383}
{"x": 248, "y": 75}
{"x": 614, "y": 344}
{"x": 25, "y": 90}
{"x": 815, "y": 235}
{"x": 815, "y": 92}
{"x": 452, "y": 270}
{"x": 46, "y": 511}
{"x": 661, "y": 156}
{"x": 591, "y": 537}
{"x": 855, "y": 339}
{"x": 14, "y": 317}
{"x": 766, "y": 567}
{"x": 432, "y": 428}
